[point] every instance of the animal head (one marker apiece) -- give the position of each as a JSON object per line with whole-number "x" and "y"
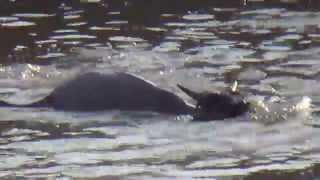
{"x": 217, "y": 106}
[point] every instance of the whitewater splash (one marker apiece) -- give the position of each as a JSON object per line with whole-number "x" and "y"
{"x": 275, "y": 130}
{"x": 276, "y": 109}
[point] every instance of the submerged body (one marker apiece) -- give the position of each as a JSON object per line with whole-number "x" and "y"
{"x": 95, "y": 91}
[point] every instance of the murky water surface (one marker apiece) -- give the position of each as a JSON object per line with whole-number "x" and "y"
{"x": 273, "y": 53}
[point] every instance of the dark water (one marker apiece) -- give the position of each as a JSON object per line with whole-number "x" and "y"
{"x": 272, "y": 49}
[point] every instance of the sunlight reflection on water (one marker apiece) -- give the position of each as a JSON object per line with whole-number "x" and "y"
{"x": 273, "y": 54}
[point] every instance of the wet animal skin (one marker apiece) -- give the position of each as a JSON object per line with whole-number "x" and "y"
{"x": 96, "y": 91}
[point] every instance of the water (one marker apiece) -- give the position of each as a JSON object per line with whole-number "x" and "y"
{"x": 273, "y": 53}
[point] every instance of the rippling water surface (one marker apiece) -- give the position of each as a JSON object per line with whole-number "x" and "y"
{"x": 273, "y": 53}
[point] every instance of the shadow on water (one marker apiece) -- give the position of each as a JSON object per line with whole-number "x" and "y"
{"x": 307, "y": 174}
{"x": 138, "y": 14}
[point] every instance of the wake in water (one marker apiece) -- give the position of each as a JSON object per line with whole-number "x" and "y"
{"x": 276, "y": 109}
{"x": 276, "y": 129}
{"x": 276, "y": 125}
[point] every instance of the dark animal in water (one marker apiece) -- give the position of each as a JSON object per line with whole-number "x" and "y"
{"x": 95, "y": 91}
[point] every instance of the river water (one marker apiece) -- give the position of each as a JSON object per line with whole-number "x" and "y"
{"x": 273, "y": 53}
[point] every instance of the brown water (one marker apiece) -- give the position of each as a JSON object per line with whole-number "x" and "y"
{"x": 273, "y": 52}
